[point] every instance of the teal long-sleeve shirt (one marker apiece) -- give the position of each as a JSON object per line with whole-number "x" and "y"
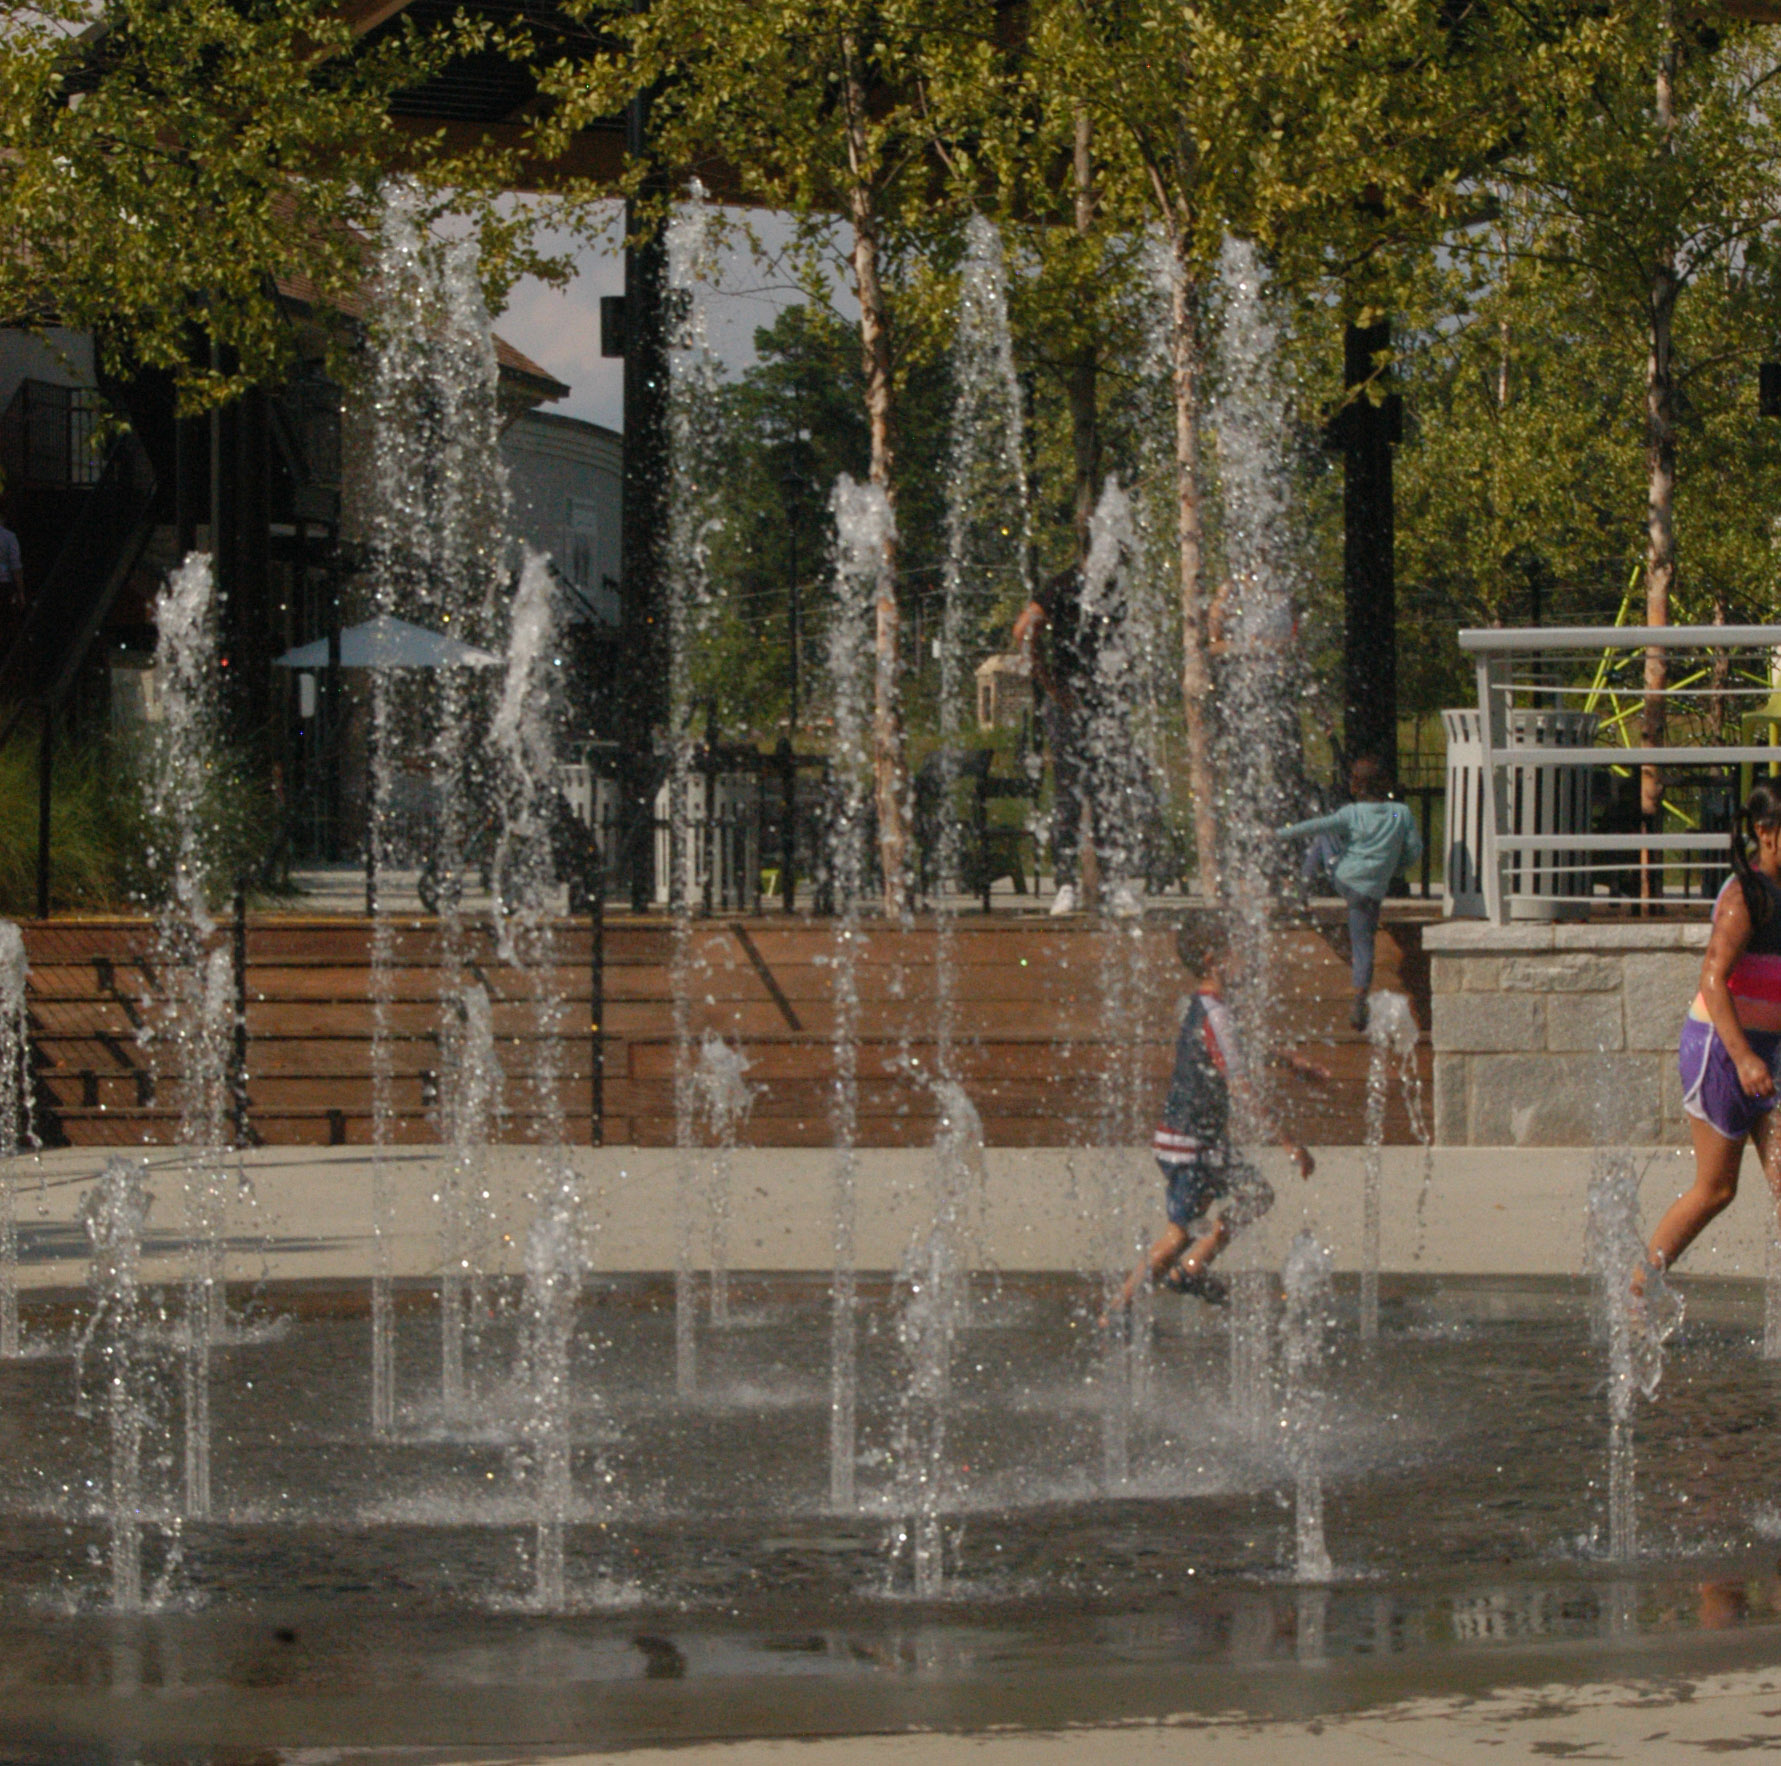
{"x": 1377, "y": 839}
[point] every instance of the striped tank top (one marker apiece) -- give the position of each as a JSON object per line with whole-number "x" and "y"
{"x": 1756, "y": 975}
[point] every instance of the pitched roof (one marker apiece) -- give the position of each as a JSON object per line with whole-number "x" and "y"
{"x": 521, "y": 377}
{"x": 524, "y": 370}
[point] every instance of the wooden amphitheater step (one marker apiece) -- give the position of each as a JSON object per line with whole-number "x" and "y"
{"x": 1031, "y": 1041}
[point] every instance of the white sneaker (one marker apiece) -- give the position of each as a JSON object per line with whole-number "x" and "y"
{"x": 1064, "y": 902}
{"x": 1125, "y": 903}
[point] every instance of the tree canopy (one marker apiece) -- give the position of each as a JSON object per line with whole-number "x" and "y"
{"x": 172, "y": 171}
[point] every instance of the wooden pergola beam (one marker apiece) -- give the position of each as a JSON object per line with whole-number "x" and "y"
{"x": 593, "y": 155}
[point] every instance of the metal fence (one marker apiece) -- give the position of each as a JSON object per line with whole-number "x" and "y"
{"x": 1558, "y": 825}
{"x": 753, "y": 832}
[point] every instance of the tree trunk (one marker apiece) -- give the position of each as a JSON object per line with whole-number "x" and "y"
{"x": 1660, "y": 499}
{"x": 1085, "y": 429}
{"x": 887, "y": 725}
{"x": 1196, "y": 679}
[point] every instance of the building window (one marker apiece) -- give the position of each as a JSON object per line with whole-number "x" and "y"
{"x": 582, "y": 523}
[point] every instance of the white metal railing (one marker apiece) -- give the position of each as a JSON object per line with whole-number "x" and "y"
{"x": 1585, "y": 674}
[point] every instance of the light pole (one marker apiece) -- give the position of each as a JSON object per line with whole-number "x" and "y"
{"x": 796, "y": 482}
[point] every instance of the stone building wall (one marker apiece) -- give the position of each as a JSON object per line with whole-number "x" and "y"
{"x": 1548, "y": 1035}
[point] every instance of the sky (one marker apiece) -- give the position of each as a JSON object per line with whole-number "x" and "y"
{"x": 560, "y": 328}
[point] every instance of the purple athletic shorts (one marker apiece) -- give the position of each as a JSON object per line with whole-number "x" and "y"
{"x": 1710, "y": 1088}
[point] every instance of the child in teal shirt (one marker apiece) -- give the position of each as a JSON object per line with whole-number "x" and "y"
{"x": 1375, "y": 839}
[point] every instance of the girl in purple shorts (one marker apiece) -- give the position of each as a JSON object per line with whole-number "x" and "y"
{"x": 1732, "y": 1034}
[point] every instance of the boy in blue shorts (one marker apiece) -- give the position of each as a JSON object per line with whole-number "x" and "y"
{"x": 1193, "y": 1141}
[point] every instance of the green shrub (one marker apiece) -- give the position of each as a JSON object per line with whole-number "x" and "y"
{"x": 96, "y": 829}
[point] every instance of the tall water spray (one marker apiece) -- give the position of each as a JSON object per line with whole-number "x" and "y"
{"x": 523, "y": 738}
{"x": 723, "y": 1099}
{"x": 190, "y": 1032}
{"x": 401, "y": 517}
{"x": 1121, "y": 771}
{"x": 1304, "y": 1335}
{"x": 1635, "y": 1327}
{"x": 933, "y": 1305}
{"x": 988, "y": 539}
{"x": 467, "y": 1111}
{"x": 465, "y": 561}
{"x": 17, "y": 1129}
{"x": 1252, "y": 1352}
{"x": 988, "y": 534}
{"x": 1771, "y": 1289}
{"x": 523, "y": 741}
{"x": 693, "y": 435}
{"x": 1120, "y": 776}
{"x": 1256, "y": 677}
{"x": 438, "y": 557}
{"x": 1392, "y": 1033}
{"x": 1132, "y": 628}
{"x": 1152, "y": 599}
{"x": 863, "y": 524}
{"x": 555, "y": 1258}
{"x": 114, "y": 1213}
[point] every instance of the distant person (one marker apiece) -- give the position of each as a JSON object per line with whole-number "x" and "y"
{"x": 1058, "y": 642}
{"x": 1081, "y": 667}
{"x": 1193, "y": 1140}
{"x": 1731, "y": 1038}
{"x": 1362, "y": 847}
{"x": 12, "y": 587}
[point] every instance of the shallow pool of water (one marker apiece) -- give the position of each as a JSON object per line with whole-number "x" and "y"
{"x": 357, "y": 1590}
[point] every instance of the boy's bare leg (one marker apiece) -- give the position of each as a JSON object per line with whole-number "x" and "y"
{"x": 1203, "y": 1250}
{"x": 1175, "y": 1249}
{"x": 1164, "y": 1252}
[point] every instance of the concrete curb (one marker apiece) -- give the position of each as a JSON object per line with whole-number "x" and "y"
{"x": 306, "y": 1213}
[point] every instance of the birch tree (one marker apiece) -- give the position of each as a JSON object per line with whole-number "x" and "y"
{"x": 1325, "y": 130}
{"x": 1654, "y": 163}
{"x": 825, "y": 109}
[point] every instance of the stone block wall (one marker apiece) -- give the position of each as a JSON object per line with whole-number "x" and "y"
{"x": 1546, "y": 1036}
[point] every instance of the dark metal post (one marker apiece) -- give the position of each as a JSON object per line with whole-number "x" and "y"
{"x": 643, "y": 678}
{"x": 1428, "y": 839}
{"x": 371, "y": 809}
{"x": 335, "y": 734}
{"x": 711, "y": 837}
{"x": 1366, "y": 432}
{"x": 238, "y": 956}
{"x": 788, "y": 827}
{"x": 46, "y": 751}
{"x": 794, "y": 611}
{"x": 982, "y": 814}
{"x": 597, "y": 1001}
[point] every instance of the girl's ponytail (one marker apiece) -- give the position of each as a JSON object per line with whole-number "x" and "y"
{"x": 1761, "y": 810}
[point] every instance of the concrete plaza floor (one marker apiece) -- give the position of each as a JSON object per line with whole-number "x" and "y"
{"x": 1658, "y": 1719}
{"x": 306, "y": 1213}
